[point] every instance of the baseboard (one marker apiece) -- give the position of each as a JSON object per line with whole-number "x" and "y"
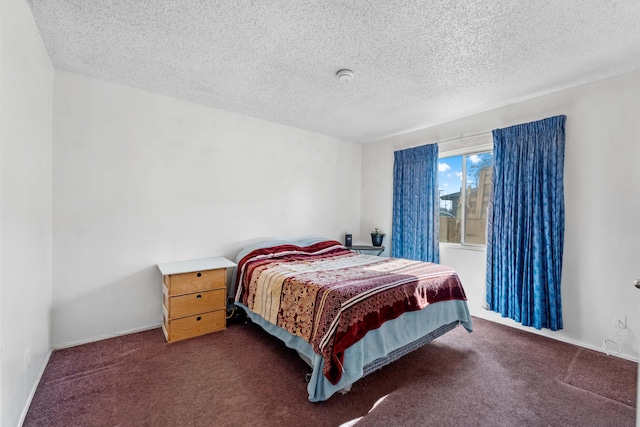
{"x": 594, "y": 348}
{"x": 43, "y": 367}
{"x": 34, "y": 388}
{"x": 105, "y": 337}
{"x": 511, "y": 323}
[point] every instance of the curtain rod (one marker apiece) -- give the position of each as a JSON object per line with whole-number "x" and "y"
{"x": 460, "y": 138}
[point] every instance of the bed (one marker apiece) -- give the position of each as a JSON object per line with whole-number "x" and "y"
{"x": 346, "y": 314}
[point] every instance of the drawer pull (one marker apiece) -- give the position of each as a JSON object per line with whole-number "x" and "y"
{"x": 199, "y": 318}
{"x": 199, "y": 296}
{"x": 199, "y": 274}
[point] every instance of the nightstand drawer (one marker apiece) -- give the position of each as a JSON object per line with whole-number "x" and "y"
{"x": 195, "y": 282}
{"x": 193, "y": 326}
{"x": 186, "y": 305}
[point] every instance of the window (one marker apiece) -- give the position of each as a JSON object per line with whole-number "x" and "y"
{"x": 463, "y": 208}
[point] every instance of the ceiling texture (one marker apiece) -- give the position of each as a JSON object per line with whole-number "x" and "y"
{"x": 415, "y": 63}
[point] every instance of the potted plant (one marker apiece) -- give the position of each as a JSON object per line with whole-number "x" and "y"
{"x": 376, "y": 237}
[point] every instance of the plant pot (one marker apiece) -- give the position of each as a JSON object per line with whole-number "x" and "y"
{"x": 376, "y": 239}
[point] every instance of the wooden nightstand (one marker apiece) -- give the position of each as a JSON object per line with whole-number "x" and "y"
{"x": 194, "y": 297}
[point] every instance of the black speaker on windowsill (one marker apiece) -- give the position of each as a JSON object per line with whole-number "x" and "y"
{"x": 348, "y": 240}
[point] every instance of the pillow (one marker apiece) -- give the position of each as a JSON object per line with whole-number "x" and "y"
{"x": 265, "y": 243}
{"x": 258, "y": 245}
{"x": 302, "y": 241}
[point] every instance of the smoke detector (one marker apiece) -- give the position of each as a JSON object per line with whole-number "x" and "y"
{"x": 344, "y": 75}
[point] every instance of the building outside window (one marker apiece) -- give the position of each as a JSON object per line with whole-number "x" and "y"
{"x": 464, "y": 184}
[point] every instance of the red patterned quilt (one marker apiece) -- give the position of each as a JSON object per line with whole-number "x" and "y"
{"x": 331, "y": 297}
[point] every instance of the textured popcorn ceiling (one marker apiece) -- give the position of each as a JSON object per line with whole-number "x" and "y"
{"x": 416, "y": 63}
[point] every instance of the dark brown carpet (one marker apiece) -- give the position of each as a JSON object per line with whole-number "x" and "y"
{"x": 496, "y": 376}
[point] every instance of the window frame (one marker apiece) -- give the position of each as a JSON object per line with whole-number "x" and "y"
{"x": 480, "y": 148}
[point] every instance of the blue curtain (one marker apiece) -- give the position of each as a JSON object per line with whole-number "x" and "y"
{"x": 525, "y": 230}
{"x": 415, "y": 204}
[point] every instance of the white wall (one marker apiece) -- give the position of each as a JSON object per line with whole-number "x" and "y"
{"x": 26, "y": 85}
{"x": 140, "y": 179}
{"x": 602, "y": 204}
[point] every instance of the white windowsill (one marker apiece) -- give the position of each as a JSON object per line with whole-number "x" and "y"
{"x": 482, "y": 248}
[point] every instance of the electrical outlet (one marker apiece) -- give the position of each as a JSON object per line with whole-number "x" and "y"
{"x": 27, "y": 360}
{"x": 620, "y": 321}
